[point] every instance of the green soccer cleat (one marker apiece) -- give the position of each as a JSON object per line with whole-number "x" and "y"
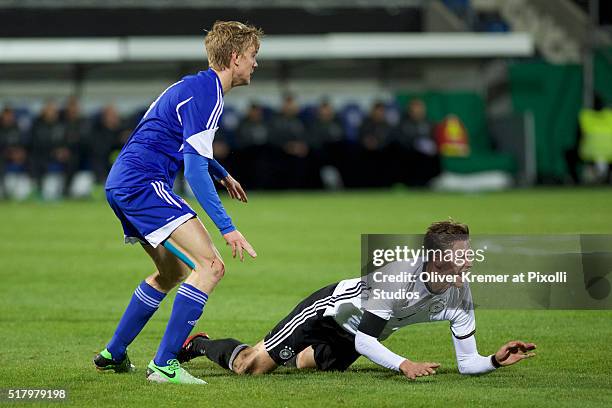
{"x": 105, "y": 361}
{"x": 172, "y": 373}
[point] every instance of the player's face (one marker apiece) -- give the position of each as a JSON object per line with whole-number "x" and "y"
{"x": 244, "y": 66}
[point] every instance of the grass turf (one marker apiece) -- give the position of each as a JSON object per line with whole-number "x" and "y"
{"x": 66, "y": 278}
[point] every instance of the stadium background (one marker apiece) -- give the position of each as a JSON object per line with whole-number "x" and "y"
{"x": 516, "y": 140}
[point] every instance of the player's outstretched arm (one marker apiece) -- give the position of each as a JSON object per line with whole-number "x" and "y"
{"x": 233, "y": 187}
{"x": 470, "y": 361}
{"x": 198, "y": 177}
{"x": 367, "y": 344}
{"x": 513, "y": 352}
{"x": 239, "y": 244}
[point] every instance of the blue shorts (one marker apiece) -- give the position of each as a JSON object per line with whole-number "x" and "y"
{"x": 149, "y": 213}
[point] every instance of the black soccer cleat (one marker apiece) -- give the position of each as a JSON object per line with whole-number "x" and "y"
{"x": 104, "y": 361}
{"x": 193, "y": 347}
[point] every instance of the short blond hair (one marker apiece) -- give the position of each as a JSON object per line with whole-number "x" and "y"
{"x": 227, "y": 37}
{"x": 443, "y": 234}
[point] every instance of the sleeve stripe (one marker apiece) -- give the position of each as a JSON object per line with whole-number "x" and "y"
{"x": 214, "y": 111}
{"x": 178, "y": 115}
{"x": 466, "y": 336}
{"x": 216, "y": 121}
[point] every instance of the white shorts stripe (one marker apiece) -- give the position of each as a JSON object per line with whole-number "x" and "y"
{"x": 307, "y": 313}
{"x": 156, "y": 188}
{"x": 166, "y": 194}
{"x": 355, "y": 290}
{"x": 270, "y": 344}
{"x": 297, "y": 318}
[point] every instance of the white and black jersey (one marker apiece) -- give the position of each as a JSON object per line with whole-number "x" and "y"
{"x": 413, "y": 302}
{"x": 331, "y": 320}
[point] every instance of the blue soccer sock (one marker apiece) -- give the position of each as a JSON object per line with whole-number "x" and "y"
{"x": 187, "y": 309}
{"x": 144, "y": 303}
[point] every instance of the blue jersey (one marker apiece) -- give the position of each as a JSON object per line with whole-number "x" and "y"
{"x": 178, "y": 127}
{"x": 183, "y": 119}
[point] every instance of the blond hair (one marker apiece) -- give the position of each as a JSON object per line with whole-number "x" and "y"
{"x": 227, "y": 37}
{"x": 442, "y": 234}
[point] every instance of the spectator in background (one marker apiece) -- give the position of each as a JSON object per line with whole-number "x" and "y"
{"x": 288, "y": 135}
{"x": 51, "y": 152}
{"x": 416, "y": 159}
{"x": 327, "y": 142}
{"x": 78, "y": 169}
{"x": 106, "y": 138}
{"x": 326, "y": 129}
{"x": 77, "y": 132}
{"x": 592, "y": 151}
{"x": 375, "y": 135}
{"x": 16, "y": 182}
{"x": 253, "y": 151}
{"x": 253, "y": 130}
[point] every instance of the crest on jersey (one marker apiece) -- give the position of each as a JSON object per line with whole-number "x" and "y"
{"x": 286, "y": 353}
{"x": 436, "y": 307}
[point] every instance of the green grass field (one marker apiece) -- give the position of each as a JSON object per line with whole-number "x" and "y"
{"x": 66, "y": 278}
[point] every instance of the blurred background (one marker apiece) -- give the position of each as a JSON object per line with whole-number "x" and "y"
{"x": 453, "y": 95}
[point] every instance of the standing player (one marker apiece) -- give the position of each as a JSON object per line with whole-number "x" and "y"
{"x": 179, "y": 127}
{"x": 331, "y": 328}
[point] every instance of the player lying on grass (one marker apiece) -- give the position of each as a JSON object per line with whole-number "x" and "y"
{"x": 332, "y": 327}
{"x": 178, "y": 128}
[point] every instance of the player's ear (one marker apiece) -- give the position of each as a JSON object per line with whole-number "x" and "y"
{"x": 234, "y": 60}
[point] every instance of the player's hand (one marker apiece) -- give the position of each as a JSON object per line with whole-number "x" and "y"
{"x": 513, "y": 352}
{"x": 413, "y": 370}
{"x": 239, "y": 244}
{"x": 234, "y": 188}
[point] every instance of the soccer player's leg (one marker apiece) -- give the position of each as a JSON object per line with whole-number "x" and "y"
{"x": 337, "y": 355}
{"x": 302, "y": 327}
{"x": 253, "y": 360}
{"x": 145, "y": 301}
{"x": 230, "y": 354}
{"x": 192, "y": 243}
{"x": 335, "y": 350}
{"x": 148, "y": 294}
{"x": 306, "y": 359}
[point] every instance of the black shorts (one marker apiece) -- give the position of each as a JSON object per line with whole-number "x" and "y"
{"x": 334, "y": 347}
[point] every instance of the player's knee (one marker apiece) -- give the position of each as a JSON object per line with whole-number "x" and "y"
{"x": 218, "y": 269}
{"x": 303, "y": 361}
{"x": 214, "y": 268}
